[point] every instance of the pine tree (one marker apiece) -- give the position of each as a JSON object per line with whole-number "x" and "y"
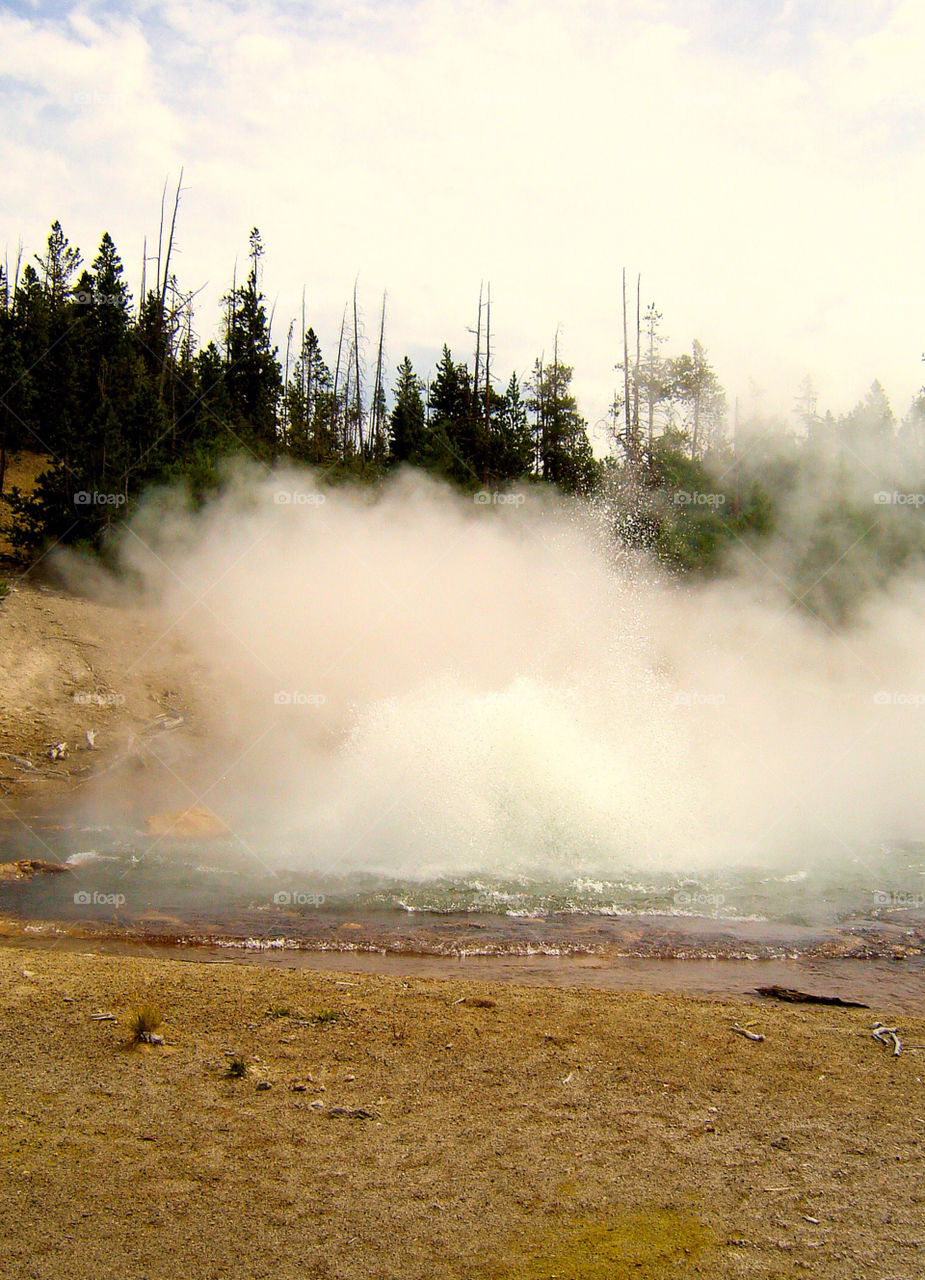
{"x": 15, "y": 383}
{"x": 408, "y": 434}
{"x": 59, "y": 266}
{"x": 563, "y": 450}
{"x": 695, "y": 392}
{"x": 310, "y": 406}
{"x": 253, "y": 374}
{"x": 512, "y": 457}
{"x": 452, "y": 419}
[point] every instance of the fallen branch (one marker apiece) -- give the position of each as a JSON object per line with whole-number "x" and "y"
{"x": 883, "y": 1034}
{"x": 749, "y": 1035}
{"x": 804, "y": 997}
{"x": 20, "y": 761}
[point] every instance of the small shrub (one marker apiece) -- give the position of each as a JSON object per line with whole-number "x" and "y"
{"x": 144, "y": 1023}
{"x": 325, "y": 1016}
{"x": 282, "y": 1011}
{"x": 237, "y": 1067}
{"x": 4, "y": 589}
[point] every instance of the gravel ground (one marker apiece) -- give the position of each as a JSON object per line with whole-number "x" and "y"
{"x": 512, "y": 1132}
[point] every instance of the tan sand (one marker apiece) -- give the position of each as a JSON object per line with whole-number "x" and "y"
{"x": 513, "y": 1132}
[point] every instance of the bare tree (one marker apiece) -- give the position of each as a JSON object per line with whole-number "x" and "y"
{"x": 488, "y": 360}
{"x": 357, "y": 392}
{"x": 340, "y": 348}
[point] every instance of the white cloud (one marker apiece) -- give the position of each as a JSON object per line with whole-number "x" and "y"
{"x": 773, "y": 204}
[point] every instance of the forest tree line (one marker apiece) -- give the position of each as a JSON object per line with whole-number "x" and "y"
{"x": 119, "y": 396}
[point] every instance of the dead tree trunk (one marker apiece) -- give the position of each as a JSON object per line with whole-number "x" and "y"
{"x": 357, "y": 395}
{"x": 336, "y": 423}
{"x": 378, "y": 416}
{"x": 627, "y": 408}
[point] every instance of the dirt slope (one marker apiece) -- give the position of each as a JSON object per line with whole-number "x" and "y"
{"x": 69, "y": 665}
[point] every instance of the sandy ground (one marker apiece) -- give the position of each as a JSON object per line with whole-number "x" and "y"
{"x": 70, "y": 664}
{"x": 512, "y": 1132}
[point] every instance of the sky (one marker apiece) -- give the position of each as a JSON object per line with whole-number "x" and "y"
{"x": 761, "y": 163}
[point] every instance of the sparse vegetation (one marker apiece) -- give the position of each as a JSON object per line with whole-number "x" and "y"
{"x": 236, "y": 1068}
{"x": 144, "y": 1023}
{"x": 326, "y": 1016}
{"x": 282, "y": 1011}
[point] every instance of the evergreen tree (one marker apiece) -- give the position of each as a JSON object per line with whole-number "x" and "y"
{"x": 563, "y": 451}
{"x": 695, "y": 392}
{"x": 309, "y": 406}
{"x": 452, "y": 440}
{"x": 253, "y": 374}
{"x": 59, "y": 266}
{"x": 15, "y": 383}
{"x": 870, "y": 424}
{"x": 515, "y": 441}
{"x": 408, "y": 434}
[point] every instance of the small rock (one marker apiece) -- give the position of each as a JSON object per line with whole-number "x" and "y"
{"x": 196, "y": 822}
{"x": 298, "y": 1087}
{"x": 26, "y": 868}
{"x": 261, "y": 1085}
{"x": 350, "y": 1113}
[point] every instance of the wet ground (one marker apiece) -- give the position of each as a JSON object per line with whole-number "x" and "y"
{"x": 853, "y": 927}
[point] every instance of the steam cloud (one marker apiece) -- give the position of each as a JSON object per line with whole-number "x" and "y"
{"x": 412, "y": 683}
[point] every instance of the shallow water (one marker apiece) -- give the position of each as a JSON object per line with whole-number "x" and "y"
{"x": 125, "y": 883}
{"x": 890, "y": 988}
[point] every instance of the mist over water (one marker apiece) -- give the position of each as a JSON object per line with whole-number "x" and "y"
{"x": 409, "y": 683}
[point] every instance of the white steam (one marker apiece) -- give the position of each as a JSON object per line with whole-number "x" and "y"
{"x": 416, "y": 684}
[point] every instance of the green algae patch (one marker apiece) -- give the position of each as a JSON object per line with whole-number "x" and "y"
{"x": 642, "y": 1243}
